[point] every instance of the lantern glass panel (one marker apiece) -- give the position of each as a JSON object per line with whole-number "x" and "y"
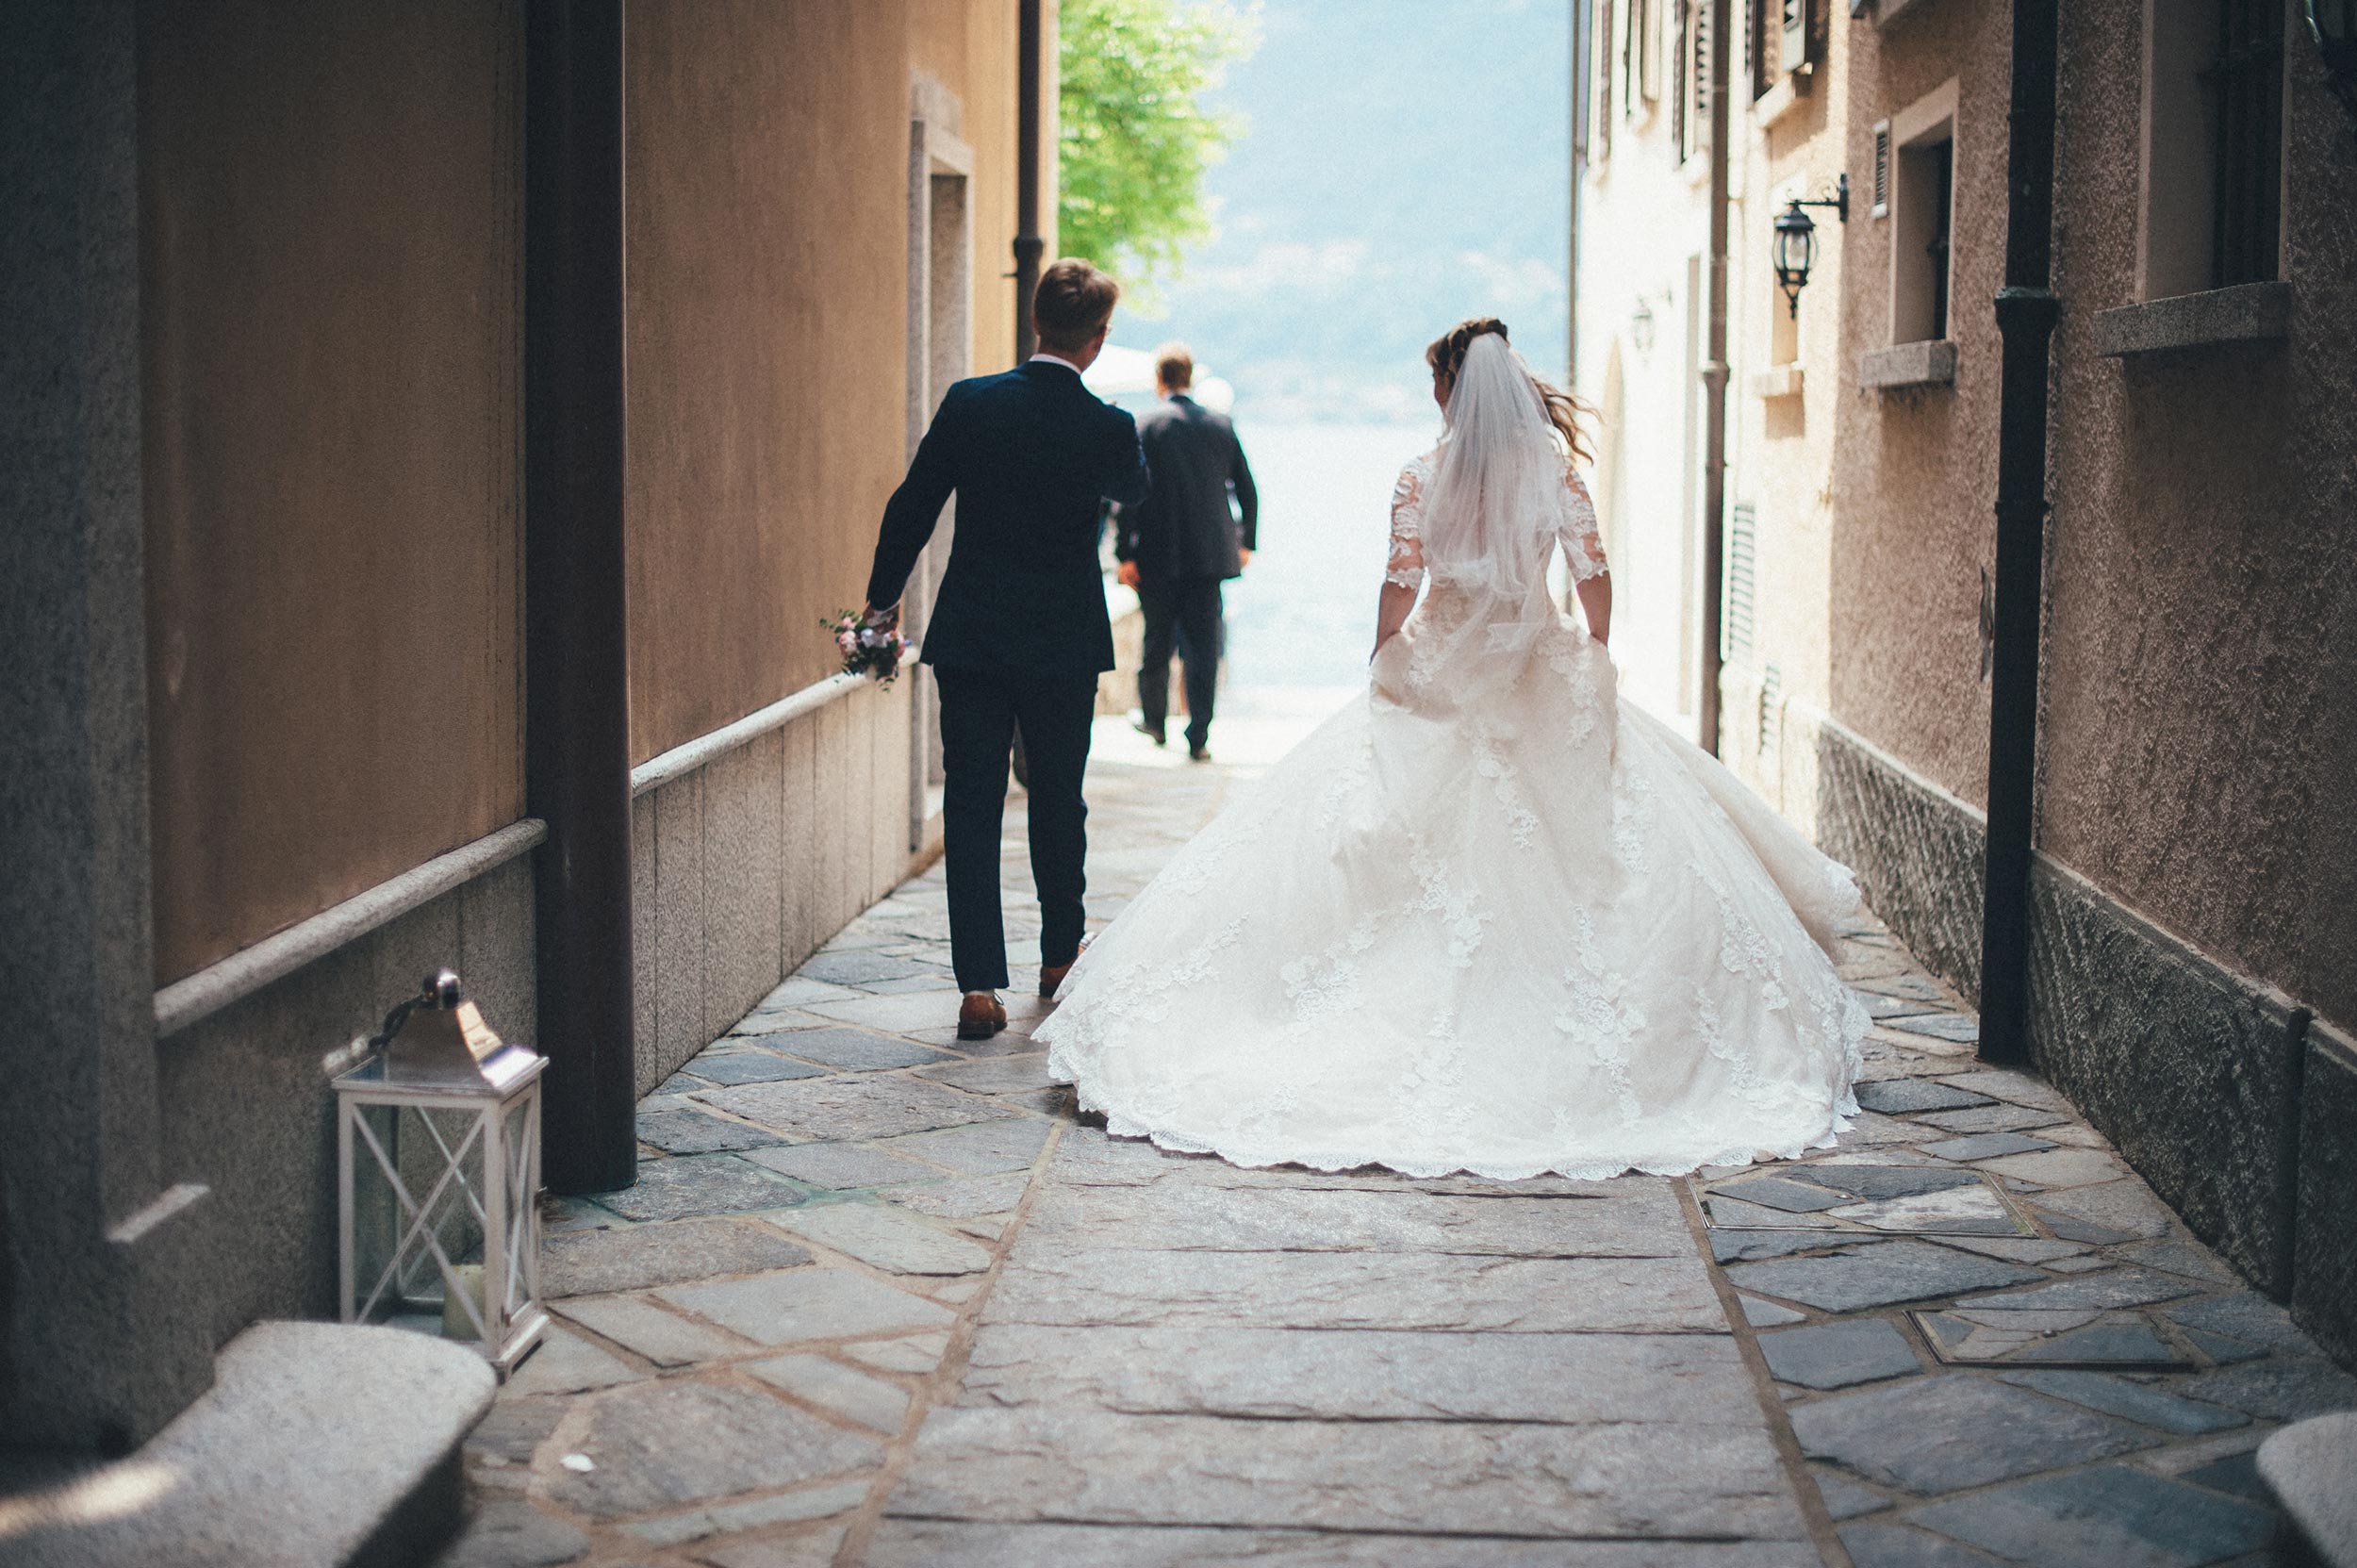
{"x": 419, "y": 1218}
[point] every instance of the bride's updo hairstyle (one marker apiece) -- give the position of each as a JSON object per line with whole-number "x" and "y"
{"x": 1447, "y": 357}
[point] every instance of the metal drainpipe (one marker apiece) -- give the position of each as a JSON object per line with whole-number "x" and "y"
{"x": 2026, "y": 311}
{"x": 576, "y": 661}
{"x": 1582, "y": 13}
{"x": 1027, "y": 244}
{"x": 1715, "y": 386}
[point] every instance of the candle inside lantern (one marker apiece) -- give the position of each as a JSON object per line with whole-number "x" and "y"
{"x": 455, "y": 1323}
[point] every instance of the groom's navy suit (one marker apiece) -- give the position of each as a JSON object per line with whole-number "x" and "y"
{"x": 1019, "y": 633}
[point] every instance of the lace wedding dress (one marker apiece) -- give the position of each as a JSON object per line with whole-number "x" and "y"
{"x": 1484, "y": 918}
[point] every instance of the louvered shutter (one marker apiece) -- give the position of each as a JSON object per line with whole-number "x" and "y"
{"x": 1882, "y": 170}
{"x": 1742, "y": 579}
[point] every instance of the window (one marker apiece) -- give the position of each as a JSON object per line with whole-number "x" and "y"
{"x": 1922, "y": 204}
{"x": 1757, "y": 64}
{"x": 1641, "y": 58}
{"x": 1694, "y": 86}
{"x": 1938, "y": 163}
{"x": 2211, "y": 184}
{"x": 1600, "y": 132}
{"x": 2247, "y": 80}
{"x": 1792, "y": 31}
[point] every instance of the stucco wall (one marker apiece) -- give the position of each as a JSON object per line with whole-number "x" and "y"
{"x": 2198, "y": 760}
{"x": 1914, "y": 471}
{"x": 1780, "y": 449}
{"x": 329, "y": 236}
{"x": 1644, "y": 225}
{"x": 767, "y": 227}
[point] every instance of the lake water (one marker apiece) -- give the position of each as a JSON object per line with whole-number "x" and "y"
{"x": 1304, "y": 615}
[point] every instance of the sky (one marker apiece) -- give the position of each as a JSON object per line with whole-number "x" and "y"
{"x": 1406, "y": 165}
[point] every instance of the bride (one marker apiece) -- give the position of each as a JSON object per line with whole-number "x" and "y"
{"x": 1484, "y": 918}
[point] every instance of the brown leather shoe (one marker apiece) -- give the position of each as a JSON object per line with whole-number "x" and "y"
{"x": 980, "y": 1016}
{"x": 1051, "y": 976}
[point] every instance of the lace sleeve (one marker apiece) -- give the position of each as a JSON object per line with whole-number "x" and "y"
{"x": 1582, "y": 548}
{"x": 1405, "y": 568}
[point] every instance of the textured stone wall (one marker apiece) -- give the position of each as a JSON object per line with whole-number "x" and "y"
{"x": 2324, "y": 1262}
{"x": 2239, "y": 1113}
{"x": 2191, "y": 1069}
{"x": 1917, "y": 850}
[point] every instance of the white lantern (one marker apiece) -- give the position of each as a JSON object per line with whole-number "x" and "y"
{"x": 438, "y": 1148}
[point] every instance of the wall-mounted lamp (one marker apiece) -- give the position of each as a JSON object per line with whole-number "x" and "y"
{"x": 1640, "y": 327}
{"x": 1796, "y": 238}
{"x": 2333, "y": 25}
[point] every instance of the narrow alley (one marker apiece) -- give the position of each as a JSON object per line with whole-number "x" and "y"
{"x": 879, "y": 1298}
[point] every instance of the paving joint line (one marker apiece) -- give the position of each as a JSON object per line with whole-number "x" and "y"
{"x": 1798, "y": 1477}
{"x": 948, "y": 1374}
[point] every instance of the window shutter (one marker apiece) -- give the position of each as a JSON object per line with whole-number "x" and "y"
{"x": 1698, "y": 79}
{"x": 1882, "y": 170}
{"x": 1600, "y": 136}
{"x": 1771, "y": 708}
{"x": 1681, "y": 123}
{"x": 1795, "y": 40}
{"x": 1743, "y": 578}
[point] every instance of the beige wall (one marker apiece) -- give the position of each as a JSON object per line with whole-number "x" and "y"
{"x": 2198, "y": 756}
{"x": 329, "y": 224}
{"x": 768, "y": 231}
{"x": 1914, "y": 471}
{"x": 1790, "y": 143}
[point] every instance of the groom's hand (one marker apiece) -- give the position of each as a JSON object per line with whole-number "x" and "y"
{"x": 1244, "y": 557}
{"x": 1127, "y": 574}
{"x": 886, "y": 619}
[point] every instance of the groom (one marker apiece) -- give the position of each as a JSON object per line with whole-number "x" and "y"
{"x": 1019, "y": 634}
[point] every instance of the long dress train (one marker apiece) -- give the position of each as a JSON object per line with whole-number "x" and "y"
{"x": 1484, "y": 918}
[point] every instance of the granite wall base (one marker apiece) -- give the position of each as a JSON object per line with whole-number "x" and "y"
{"x": 2324, "y": 1244}
{"x": 248, "y": 1109}
{"x": 2238, "y": 1111}
{"x": 1917, "y": 850}
{"x": 2191, "y": 1071}
{"x": 743, "y": 867}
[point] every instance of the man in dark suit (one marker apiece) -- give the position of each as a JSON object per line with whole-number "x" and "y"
{"x": 1183, "y": 542}
{"x": 1019, "y": 633}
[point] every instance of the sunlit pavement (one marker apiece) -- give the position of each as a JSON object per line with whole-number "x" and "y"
{"x": 878, "y": 1298}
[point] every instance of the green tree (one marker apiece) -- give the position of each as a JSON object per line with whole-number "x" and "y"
{"x": 1135, "y": 138}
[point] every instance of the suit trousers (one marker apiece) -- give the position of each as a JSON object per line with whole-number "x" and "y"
{"x": 981, "y": 706}
{"x": 1183, "y": 616}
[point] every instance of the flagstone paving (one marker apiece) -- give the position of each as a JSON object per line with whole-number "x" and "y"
{"x": 879, "y": 1298}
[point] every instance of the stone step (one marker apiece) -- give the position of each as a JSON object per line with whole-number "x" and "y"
{"x": 320, "y": 1446}
{"x": 2311, "y": 1469}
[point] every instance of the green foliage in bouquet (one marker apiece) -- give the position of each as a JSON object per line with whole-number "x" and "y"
{"x": 1135, "y": 141}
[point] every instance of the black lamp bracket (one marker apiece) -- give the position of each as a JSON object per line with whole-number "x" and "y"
{"x": 1838, "y": 201}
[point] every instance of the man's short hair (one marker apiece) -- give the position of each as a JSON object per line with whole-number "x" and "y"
{"x": 1072, "y": 305}
{"x": 1174, "y": 366}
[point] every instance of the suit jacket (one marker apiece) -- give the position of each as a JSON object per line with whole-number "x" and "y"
{"x": 1184, "y": 530}
{"x": 1031, "y": 455}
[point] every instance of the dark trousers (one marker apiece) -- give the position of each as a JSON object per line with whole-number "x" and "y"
{"x": 981, "y": 707}
{"x": 1184, "y": 616}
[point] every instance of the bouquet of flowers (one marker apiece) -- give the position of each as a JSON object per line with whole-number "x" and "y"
{"x": 869, "y": 647}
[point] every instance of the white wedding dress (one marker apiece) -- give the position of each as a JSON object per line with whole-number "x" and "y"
{"x": 1485, "y": 919}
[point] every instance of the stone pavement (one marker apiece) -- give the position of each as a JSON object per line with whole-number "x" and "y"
{"x": 876, "y": 1298}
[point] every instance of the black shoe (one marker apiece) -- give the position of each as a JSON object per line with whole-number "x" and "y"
{"x": 1198, "y": 751}
{"x": 1150, "y": 732}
